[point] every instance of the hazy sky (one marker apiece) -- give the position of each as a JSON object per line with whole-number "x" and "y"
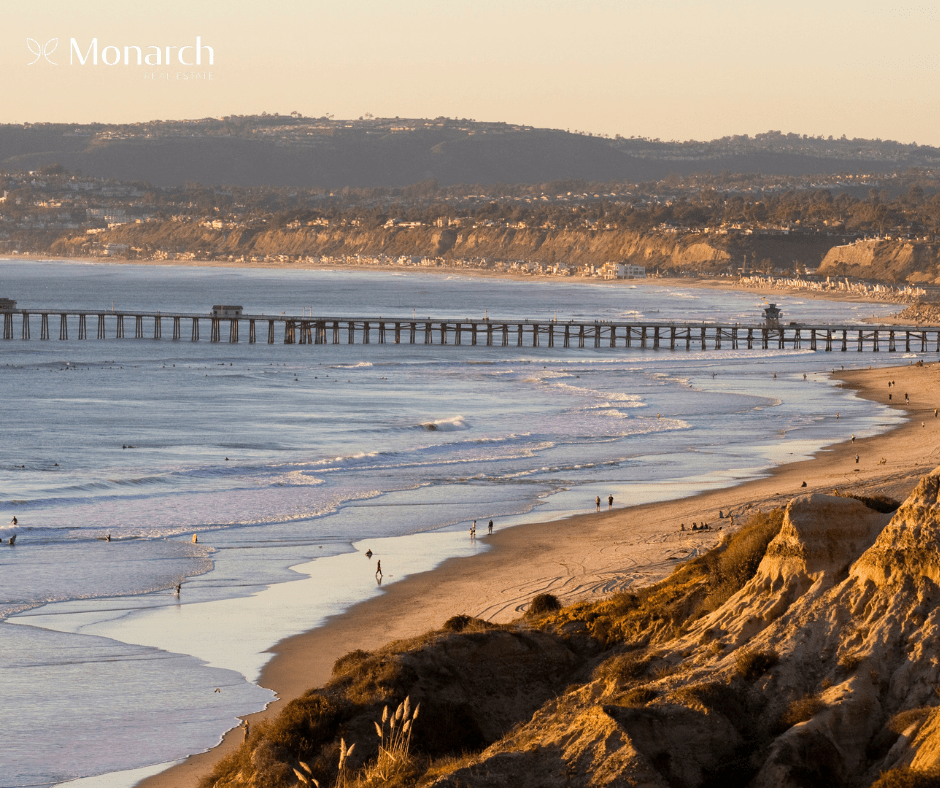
{"x": 668, "y": 69}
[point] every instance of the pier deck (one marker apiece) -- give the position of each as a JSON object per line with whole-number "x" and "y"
{"x": 293, "y": 330}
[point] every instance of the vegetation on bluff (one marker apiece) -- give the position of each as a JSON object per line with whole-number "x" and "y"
{"x": 476, "y": 681}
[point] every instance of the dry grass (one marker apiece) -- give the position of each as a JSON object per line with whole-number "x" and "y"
{"x": 446, "y": 765}
{"x": 625, "y": 668}
{"x": 802, "y": 710}
{"x": 734, "y": 563}
{"x": 750, "y": 665}
{"x": 638, "y": 697}
{"x": 542, "y": 604}
{"x": 850, "y": 662}
{"x": 903, "y": 777}
{"x": 715, "y": 696}
{"x": 394, "y": 763}
{"x": 660, "y": 611}
{"x": 464, "y": 623}
{"x": 903, "y": 720}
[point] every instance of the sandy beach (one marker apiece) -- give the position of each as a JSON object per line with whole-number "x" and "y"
{"x": 705, "y": 281}
{"x": 590, "y": 555}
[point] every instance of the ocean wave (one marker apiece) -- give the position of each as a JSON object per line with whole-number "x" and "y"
{"x": 296, "y": 479}
{"x": 623, "y": 400}
{"x": 453, "y": 424}
{"x": 351, "y": 366}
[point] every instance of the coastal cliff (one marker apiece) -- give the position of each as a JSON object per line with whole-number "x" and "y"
{"x": 800, "y": 652}
{"x": 885, "y": 260}
{"x": 661, "y": 250}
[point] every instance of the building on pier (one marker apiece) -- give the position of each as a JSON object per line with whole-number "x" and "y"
{"x": 226, "y": 310}
{"x": 7, "y": 304}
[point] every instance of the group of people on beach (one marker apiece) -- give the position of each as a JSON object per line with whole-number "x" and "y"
{"x": 473, "y": 529}
{"x": 597, "y": 503}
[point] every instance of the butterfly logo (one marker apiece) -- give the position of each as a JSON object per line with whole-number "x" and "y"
{"x": 42, "y": 50}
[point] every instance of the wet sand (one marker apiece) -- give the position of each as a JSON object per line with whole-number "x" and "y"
{"x": 590, "y": 555}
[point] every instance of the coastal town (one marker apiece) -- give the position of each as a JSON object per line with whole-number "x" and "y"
{"x": 765, "y": 232}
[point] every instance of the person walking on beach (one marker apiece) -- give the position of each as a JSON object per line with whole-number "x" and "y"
{"x": 490, "y": 527}
{"x": 597, "y": 504}
{"x": 378, "y": 568}
{"x": 856, "y": 459}
{"x": 610, "y": 501}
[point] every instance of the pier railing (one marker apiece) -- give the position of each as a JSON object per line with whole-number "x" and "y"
{"x": 292, "y": 330}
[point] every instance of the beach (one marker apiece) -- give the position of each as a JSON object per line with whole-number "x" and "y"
{"x": 704, "y": 281}
{"x": 593, "y": 554}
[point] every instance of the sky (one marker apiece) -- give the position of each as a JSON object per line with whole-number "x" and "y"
{"x": 671, "y": 69}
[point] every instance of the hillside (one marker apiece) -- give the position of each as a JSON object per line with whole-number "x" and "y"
{"x": 382, "y": 152}
{"x": 801, "y": 652}
{"x": 656, "y": 249}
{"x": 885, "y": 260}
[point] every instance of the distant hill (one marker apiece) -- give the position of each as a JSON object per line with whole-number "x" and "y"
{"x": 293, "y": 151}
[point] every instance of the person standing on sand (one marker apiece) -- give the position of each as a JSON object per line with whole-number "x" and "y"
{"x": 490, "y": 527}
{"x": 597, "y": 504}
{"x": 610, "y": 501}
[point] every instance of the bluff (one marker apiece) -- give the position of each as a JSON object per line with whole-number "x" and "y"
{"x": 655, "y": 250}
{"x": 886, "y": 261}
{"x": 801, "y": 652}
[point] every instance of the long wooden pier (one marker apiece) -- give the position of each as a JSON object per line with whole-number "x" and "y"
{"x": 292, "y": 330}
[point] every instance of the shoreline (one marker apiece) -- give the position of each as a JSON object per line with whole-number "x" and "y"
{"x": 704, "y": 282}
{"x": 594, "y": 554}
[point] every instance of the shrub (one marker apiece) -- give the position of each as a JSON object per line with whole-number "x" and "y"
{"x": 903, "y": 720}
{"x": 753, "y": 664}
{"x": 542, "y": 604}
{"x": 349, "y": 662}
{"x": 304, "y": 724}
{"x": 624, "y": 667}
{"x": 464, "y": 623}
{"x": 802, "y": 710}
{"x": 903, "y": 777}
{"x": 850, "y": 662}
{"x": 725, "y": 699}
{"x": 639, "y": 696}
{"x": 731, "y": 565}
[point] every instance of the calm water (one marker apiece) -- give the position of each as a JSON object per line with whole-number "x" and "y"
{"x": 288, "y": 462}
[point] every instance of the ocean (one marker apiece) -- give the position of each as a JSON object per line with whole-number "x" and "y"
{"x": 288, "y": 462}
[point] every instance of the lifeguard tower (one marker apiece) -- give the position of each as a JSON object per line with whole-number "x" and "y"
{"x": 772, "y": 315}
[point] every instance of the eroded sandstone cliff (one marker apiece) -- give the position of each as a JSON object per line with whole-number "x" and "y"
{"x": 810, "y": 660}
